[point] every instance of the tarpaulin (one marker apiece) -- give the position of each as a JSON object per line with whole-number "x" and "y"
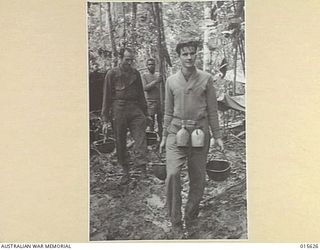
{"x": 231, "y": 102}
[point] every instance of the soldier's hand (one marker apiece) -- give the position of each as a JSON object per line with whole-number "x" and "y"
{"x": 219, "y": 142}
{"x": 162, "y": 144}
{"x": 105, "y": 128}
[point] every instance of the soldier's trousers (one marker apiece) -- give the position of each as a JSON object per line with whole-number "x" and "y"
{"x": 196, "y": 159}
{"x": 127, "y": 115}
{"x": 154, "y": 109}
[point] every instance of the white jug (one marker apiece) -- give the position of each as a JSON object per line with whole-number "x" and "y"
{"x": 197, "y": 138}
{"x": 183, "y": 137}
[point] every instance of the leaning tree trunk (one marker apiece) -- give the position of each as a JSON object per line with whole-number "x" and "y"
{"x": 111, "y": 35}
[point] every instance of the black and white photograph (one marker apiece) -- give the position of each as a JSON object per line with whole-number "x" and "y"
{"x": 167, "y": 121}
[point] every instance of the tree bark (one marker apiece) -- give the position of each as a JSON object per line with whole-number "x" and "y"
{"x": 206, "y": 51}
{"x": 101, "y": 34}
{"x": 111, "y": 35}
{"x": 238, "y": 9}
{"x": 133, "y": 25}
{"x": 157, "y": 11}
{"x": 100, "y": 16}
{"x": 124, "y": 24}
{"x": 164, "y": 43}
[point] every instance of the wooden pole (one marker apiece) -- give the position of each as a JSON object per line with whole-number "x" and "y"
{"x": 243, "y": 55}
{"x": 235, "y": 69}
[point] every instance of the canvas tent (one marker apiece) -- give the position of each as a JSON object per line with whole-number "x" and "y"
{"x": 231, "y": 102}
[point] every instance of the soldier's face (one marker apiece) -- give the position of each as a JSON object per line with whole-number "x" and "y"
{"x": 127, "y": 60}
{"x": 151, "y": 66}
{"x": 188, "y": 56}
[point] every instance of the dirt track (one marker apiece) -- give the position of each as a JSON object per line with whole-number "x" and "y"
{"x": 137, "y": 211}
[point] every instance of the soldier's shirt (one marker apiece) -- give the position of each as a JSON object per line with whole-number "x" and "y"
{"x": 194, "y": 99}
{"x": 122, "y": 85}
{"x": 151, "y": 92}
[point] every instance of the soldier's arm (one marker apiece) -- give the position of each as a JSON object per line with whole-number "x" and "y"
{"x": 142, "y": 99}
{"x": 148, "y": 86}
{"x": 212, "y": 105}
{"x": 107, "y": 95}
{"x": 168, "y": 109}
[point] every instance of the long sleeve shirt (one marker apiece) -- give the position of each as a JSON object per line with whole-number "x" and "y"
{"x": 194, "y": 99}
{"x": 151, "y": 86}
{"x": 122, "y": 85}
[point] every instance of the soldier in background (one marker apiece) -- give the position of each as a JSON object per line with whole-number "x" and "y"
{"x": 124, "y": 100}
{"x": 151, "y": 84}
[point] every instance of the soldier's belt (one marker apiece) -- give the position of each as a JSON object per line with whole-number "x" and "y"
{"x": 123, "y": 101}
{"x": 179, "y": 122}
{"x": 188, "y": 123}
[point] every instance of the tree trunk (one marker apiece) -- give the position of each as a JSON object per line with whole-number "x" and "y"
{"x": 101, "y": 34}
{"x": 206, "y": 51}
{"x": 238, "y": 9}
{"x": 111, "y": 35}
{"x": 152, "y": 8}
{"x": 157, "y": 11}
{"x": 124, "y": 24}
{"x": 100, "y": 24}
{"x": 167, "y": 60}
{"x": 133, "y": 25}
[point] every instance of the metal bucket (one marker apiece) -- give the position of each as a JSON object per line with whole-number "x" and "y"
{"x": 218, "y": 170}
{"x": 105, "y": 145}
{"x": 159, "y": 170}
{"x": 95, "y": 136}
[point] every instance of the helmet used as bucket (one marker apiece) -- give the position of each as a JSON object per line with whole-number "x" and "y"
{"x": 218, "y": 170}
{"x": 159, "y": 170}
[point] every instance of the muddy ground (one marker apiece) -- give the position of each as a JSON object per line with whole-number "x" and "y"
{"x": 137, "y": 211}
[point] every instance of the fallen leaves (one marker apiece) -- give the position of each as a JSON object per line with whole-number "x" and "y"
{"x": 137, "y": 211}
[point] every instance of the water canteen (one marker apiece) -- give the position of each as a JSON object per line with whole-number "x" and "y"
{"x": 183, "y": 137}
{"x": 197, "y": 138}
